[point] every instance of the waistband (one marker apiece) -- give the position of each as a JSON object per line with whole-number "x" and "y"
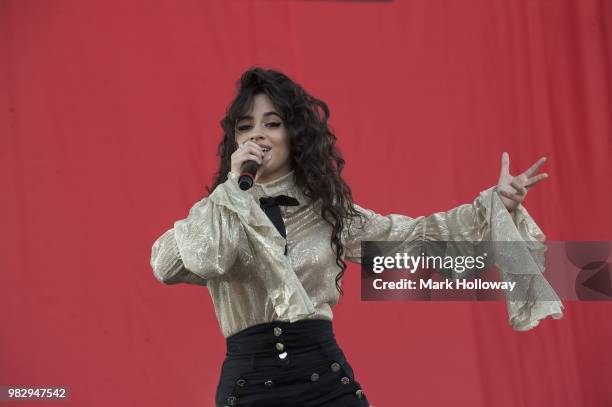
{"x": 278, "y": 337}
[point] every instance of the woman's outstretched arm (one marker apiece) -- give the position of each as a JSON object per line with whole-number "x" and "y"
{"x": 487, "y": 218}
{"x": 466, "y": 222}
{"x": 206, "y": 243}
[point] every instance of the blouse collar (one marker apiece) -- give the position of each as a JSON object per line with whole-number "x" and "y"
{"x": 283, "y": 185}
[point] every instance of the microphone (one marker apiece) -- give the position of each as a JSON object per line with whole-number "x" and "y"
{"x": 247, "y": 174}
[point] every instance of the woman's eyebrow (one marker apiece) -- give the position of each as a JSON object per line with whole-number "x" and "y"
{"x": 265, "y": 114}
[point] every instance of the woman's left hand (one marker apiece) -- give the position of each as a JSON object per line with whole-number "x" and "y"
{"x": 512, "y": 190}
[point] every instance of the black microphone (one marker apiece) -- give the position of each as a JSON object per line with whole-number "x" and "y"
{"x": 247, "y": 174}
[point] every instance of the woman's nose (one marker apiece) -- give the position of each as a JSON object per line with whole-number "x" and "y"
{"x": 256, "y": 137}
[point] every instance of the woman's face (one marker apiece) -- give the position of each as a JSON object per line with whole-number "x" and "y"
{"x": 264, "y": 126}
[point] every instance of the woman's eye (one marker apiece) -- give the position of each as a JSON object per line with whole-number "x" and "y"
{"x": 243, "y": 128}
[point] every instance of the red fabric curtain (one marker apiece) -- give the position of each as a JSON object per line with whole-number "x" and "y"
{"x": 109, "y": 115}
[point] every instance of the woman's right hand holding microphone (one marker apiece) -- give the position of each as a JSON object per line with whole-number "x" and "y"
{"x": 247, "y": 151}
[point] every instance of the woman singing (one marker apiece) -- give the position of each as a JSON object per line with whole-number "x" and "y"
{"x": 273, "y": 256}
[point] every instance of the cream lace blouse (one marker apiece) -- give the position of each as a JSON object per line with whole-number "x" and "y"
{"x": 228, "y": 244}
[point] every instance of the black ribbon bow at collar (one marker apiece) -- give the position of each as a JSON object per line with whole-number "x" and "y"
{"x": 270, "y": 205}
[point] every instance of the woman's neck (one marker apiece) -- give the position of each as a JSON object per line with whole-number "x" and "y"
{"x": 267, "y": 178}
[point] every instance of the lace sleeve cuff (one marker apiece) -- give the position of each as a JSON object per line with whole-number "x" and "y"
{"x": 524, "y": 262}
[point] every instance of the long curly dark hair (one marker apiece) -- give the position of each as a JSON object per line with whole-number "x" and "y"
{"x": 315, "y": 159}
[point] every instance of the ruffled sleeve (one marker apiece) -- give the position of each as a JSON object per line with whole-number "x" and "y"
{"x": 203, "y": 245}
{"x": 220, "y": 229}
{"x": 485, "y": 219}
{"x": 167, "y": 264}
{"x": 520, "y": 262}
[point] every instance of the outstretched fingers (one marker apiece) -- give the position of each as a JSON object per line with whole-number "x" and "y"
{"x": 535, "y": 167}
{"x": 534, "y": 180}
{"x": 505, "y": 164}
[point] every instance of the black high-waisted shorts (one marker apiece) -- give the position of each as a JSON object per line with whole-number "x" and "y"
{"x": 287, "y": 365}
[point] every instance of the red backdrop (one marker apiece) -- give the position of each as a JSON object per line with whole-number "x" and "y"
{"x": 109, "y": 113}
